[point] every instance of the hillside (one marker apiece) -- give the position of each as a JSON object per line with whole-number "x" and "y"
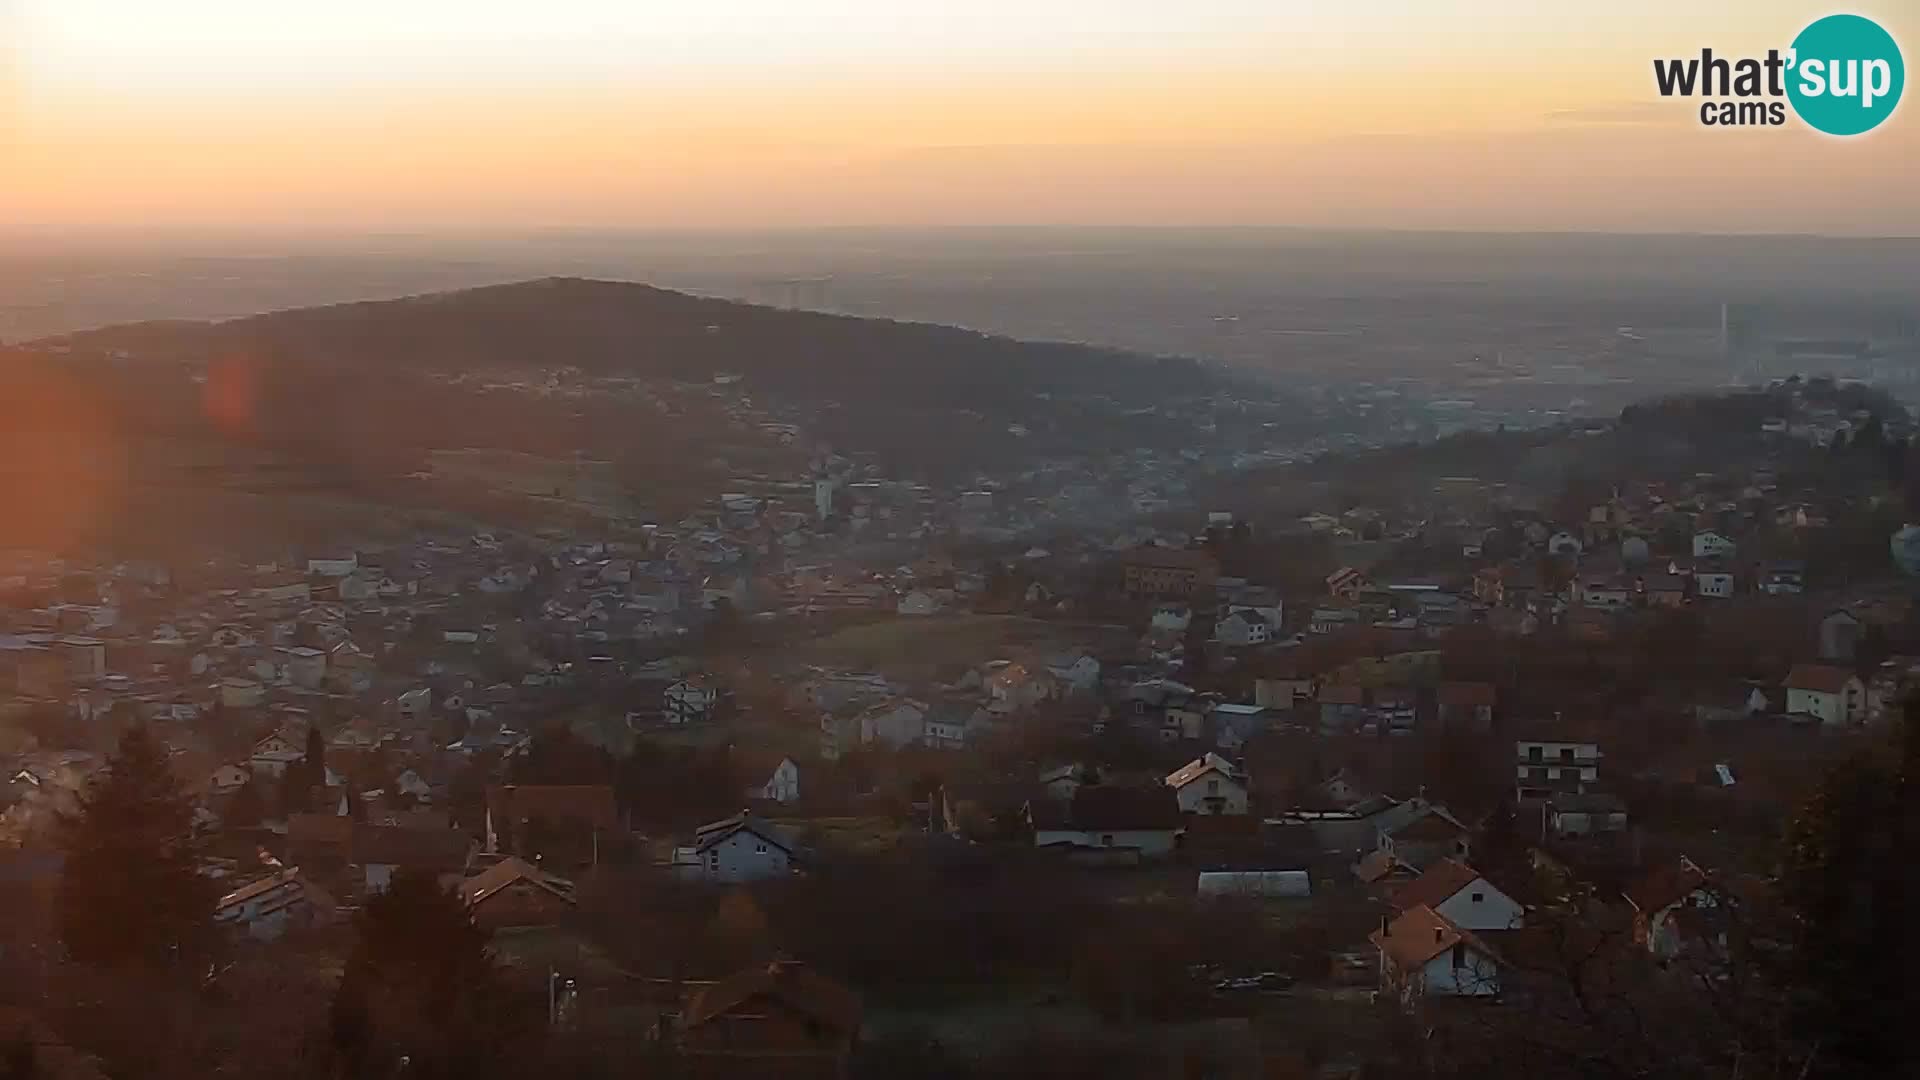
{"x": 607, "y": 327}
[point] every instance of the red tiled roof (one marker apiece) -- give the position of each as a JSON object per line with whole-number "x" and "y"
{"x": 1818, "y": 677}
{"x": 1433, "y": 888}
{"x": 478, "y": 888}
{"x": 1419, "y": 935}
{"x": 791, "y": 984}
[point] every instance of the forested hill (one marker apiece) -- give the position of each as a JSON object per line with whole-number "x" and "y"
{"x": 608, "y": 327}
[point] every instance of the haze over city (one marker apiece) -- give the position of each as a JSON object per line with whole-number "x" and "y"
{"x": 1491, "y": 115}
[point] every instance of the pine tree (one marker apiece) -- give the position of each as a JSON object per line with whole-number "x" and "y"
{"x": 247, "y": 806}
{"x": 421, "y": 984}
{"x": 1847, "y": 882}
{"x": 314, "y": 764}
{"x": 131, "y": 894}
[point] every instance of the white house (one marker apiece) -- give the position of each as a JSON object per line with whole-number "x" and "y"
{"x": 917, "y": 602}
{"x": 893, "y": 724}
{"x": 268, "y": 908}
{"x": 1576, "y": 814}
{"x": 1717, "y": 584}
{"x": 1423, "y": 954}
{"x": 781, "y": 785}
{"x": 690, "y": 701}
{"x": 1209, "y": 784}
{"x": 228, "y": 778}
{"x": 274, "y": 754}
{"x": 1459, "y": 894}
{"x": 417, "y": 705}
{"x": 1564, "y": 543}
{"x": 1172, "y": 618}
{"x": 237, "y": 693}
{"x": 735, "y": 849}
{"x": 949, "y": 724}
{"x": 305, "y": 667}
{"x": 1835, "y": 695}
{"x": 337, "y": 567}
{"x": 1012, "y": 686}
{"x": 1709, "y": 545}
{"x": 1241, "y": 629}
{"x": 1077, "y": 673}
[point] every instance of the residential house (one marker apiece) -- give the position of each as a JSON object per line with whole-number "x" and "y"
{"x": 691, "y": 700}
{"x": 917, "y": 602}
{"x": 227, "y": 779}
{"x": 1329, "y": 620}
{"x": 1012, "y": 686}
{"x": 1833, "y": 695}
{"x": 1665, "y": 590}
{"x": 1840, "y": 633}
{"x": 1711, "y": 545}
{"x": 1424, "y": 954}
{"x": 1346, "y": 583}
{"x": 1713, "y": 583}
{"x": 779, "y": 784}
{"x": 1787, "y": 578}
{"x": 1666, "y": 904}
{"x": 239, "y": 693}
{"x": 1242, "y": 629}
{"x": 1168, "y": 572}
{"x": 735, "y": 849}
{"x": 266, "y": 909}
{"x": 1235, "y": 724}
{"x": 1461, "y": 895}
{"x": 950, "y": 724}
{"x": 1607, "y": 592}
{"x": 305, "y": 667}
{"x": 1171, "y": 617}
{"x": 1343, "y": 708}
{"x": 781, "y": 1020}
{"x": 1209, "y": 784}
{"x": 1585, "y": 814}
{"x": 1137, "y": 823}
{"x": 1075, "y": 673}
{"x": 515, "y": 893}
{"x": 1420, "y": 833}
{"x": 1564, "y": 543}
{"x": 893, "y": 724}
{"x": 273, "y": 755}
{"x": 1545, "y": 767}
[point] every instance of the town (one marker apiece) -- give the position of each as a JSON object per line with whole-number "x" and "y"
{"x": 1240, "y": 765}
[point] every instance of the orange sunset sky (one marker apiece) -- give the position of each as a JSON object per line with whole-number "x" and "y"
{"x": 1496, "y": 114}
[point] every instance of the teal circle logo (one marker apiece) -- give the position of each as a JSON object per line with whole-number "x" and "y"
{"x": 1846, "y": 75}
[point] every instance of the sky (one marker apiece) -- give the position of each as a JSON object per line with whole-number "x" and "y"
{"x": 459, "y": 114}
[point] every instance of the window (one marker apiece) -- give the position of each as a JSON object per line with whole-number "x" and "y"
{"x": 1213, "y": 787}
{"x": 1535, "y": 753}
{"x": 760, "y": 849}
{"x": 1478, "y": 897}
{"x": 1566, "y": 753}
{"x": 1106, "y": 839}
